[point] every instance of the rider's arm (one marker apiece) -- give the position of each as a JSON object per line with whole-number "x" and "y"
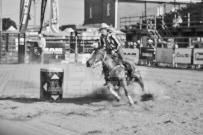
{"x": 102, "y": 43}
{"x": 116, "y": 41}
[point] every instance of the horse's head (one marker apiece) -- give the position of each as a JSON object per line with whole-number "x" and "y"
{"x": 97, "y": 56}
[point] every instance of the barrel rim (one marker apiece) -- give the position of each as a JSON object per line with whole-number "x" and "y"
{"x": 52, "y": 69}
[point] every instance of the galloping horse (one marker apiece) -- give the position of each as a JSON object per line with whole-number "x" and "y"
{"x": 117, "y": 73}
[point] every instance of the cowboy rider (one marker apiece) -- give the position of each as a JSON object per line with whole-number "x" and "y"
{"x": 112, "y": 44}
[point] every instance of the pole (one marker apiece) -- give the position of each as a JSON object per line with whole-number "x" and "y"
{"x": 76, "y": 46}
{"x": 116, "y": 13}
{"x": 0, "y": 27}
{"x": 145, "y": 9}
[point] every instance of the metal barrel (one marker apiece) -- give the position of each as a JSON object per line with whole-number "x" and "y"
{"x": 51, "y": 83}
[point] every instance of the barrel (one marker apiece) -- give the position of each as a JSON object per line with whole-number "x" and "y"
{"x": 51, "y": 83}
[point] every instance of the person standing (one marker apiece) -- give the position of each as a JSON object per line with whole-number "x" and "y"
{"x": 42, "y": 45}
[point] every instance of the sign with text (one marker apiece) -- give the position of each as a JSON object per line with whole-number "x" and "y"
{"x": 54, "y": 52}
{"x": 147, "y": 53}
{"x": 164, "y": 55}
{"x": 198, "y": 56}
{"x": 183, "y": 55}
{"x": 132, "y": 54}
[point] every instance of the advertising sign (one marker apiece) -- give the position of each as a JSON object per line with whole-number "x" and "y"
{"x": 132, "y": 54}
{"x": 147, "y": 53}
{"x": 164, "y": 55}
{"x": 54, "y": 16}
{"x": 183, "y": 55}
{"x": 54, "y": 52}
{"x": 24, "y": 14}
{"x": 198, "y": 56}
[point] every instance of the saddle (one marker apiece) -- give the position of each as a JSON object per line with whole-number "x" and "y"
{"x": 127, "y": 65}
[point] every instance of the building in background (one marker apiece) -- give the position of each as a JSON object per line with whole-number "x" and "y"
{"x": 110, "y": 11}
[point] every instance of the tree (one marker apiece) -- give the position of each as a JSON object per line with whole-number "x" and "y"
{"x": 7, "y": 23}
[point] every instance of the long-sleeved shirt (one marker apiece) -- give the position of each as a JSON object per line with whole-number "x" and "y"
{"x": 110, "y": 42}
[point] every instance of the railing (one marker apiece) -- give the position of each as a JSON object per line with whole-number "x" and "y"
{"x": 10, "y": 47}
{"x": 129, "y": 22}
{"x": 136, "y": 22}
{"x": 84, "y": 43}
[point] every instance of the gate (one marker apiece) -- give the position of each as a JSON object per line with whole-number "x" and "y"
{"x": 12, "y": 48}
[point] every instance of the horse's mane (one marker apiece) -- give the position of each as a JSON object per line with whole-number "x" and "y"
{"x": 113, "y": 58}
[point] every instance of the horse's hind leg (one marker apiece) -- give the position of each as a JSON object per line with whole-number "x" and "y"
{"x": 124, "y": 85}
{"x": 141, "y": 83}
{"x": 138, "y": 78}
{"x": 111, "y": 89}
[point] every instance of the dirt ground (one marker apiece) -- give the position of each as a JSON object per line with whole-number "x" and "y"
{"x": 87, "y": 109}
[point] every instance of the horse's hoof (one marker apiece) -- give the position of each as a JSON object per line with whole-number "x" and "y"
{"x": 132, "y": 104}
{"x": 118, "y": 99}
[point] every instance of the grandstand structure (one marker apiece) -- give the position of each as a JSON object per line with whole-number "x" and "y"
{"x": 184, "y": 22}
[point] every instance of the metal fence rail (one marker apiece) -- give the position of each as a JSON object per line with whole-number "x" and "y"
{"x": 10, "y": 48}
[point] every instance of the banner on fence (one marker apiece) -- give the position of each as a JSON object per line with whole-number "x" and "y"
{"x": 198, "y": 56}
{"x": 147, "y": 53}
{"x": 132, "y": 54}
{"x": 54, "y": 52}
{"x": 183, "y": 55}
{"x": 164, "y": 55}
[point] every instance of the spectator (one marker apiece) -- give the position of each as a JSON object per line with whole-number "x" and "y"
{"x": 170, "y": 43}
{"x": 150, "y": 43}
{"x": 177, "y": 21}
{"x": 138, "y": 44}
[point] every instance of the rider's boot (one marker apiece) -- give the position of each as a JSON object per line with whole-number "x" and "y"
{"x": 129, "y": 68}
{"x": 106, "y": 78}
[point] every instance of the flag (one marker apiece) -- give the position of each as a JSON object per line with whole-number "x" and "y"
{"x": 24, "y": 14}
{"x": 43, "y": 8}
{"x": 54, "y": 16}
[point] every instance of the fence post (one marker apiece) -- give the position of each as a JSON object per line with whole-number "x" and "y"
{"x": 188, "y": 20}
{"x": 76, "y": 46}
{"x": 21, "y": 49}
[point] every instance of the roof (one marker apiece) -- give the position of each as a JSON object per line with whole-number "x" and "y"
{"x": 163, "y": 1}
{"x": 11, "y": 28}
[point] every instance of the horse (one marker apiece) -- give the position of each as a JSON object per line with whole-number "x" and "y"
{"x": 117, "y": 73}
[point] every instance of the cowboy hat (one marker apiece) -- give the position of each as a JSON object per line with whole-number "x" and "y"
{"x": 104, "y": 26}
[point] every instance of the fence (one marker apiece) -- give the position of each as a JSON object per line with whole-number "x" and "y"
{"x": 12, "y": 48}
{"x": 188, "y": 50}
{"x": 170, "y": 50}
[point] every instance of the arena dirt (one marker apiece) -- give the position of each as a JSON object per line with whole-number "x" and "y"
{"x": 176, "y": 105}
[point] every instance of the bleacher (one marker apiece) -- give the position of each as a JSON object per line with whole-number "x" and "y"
{"x": 191, "y": 22}
{"x": 191, "y": 19}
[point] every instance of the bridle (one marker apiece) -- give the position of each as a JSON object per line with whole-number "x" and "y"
{"x": 97, "y": 63}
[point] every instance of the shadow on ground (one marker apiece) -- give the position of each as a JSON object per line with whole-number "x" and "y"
{"x": 98, "y": 95}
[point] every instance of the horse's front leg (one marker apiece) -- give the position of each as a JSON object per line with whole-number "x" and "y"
{"x": 111, "y": 89}
{"x": 124, "y": 85}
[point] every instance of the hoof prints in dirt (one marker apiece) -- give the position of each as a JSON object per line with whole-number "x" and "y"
{"x": 94, "y": 132}
{"x": 147, "y": 97}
